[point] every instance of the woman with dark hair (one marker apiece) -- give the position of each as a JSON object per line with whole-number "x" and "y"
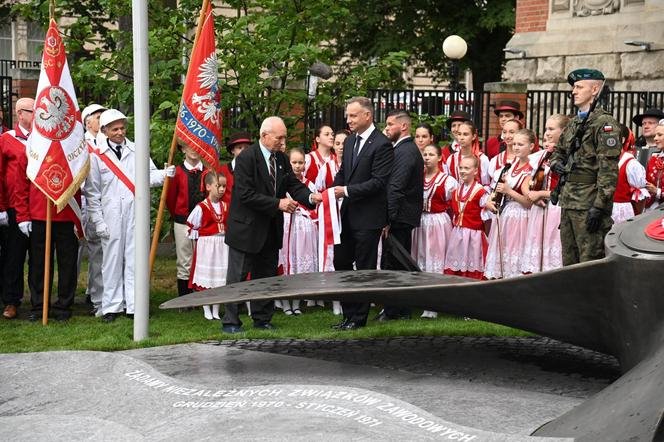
{"x": 321, "y": 159}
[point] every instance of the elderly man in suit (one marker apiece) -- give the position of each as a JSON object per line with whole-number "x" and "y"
{"x": 255, "y": 225}
{"x": 362, "y": 182}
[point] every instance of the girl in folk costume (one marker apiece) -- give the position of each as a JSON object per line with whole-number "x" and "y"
{"x": 507, "y": 237}
{"x": 469, "y": 145}
{"x": 207, "y": 225}
{"x": 543, "y": 250}
{"x": 631, "y": 187}
{"x": 322, "y": 159}
{"x": 423, "y": 136}
{"x": 655, "y": 170}
{"x": 328, "y": 262}
{"x": 300, "y": 249}
{"x": 510, "y": 128}
{"x": 466, "y": 246}
{"x": 430, "y": 238}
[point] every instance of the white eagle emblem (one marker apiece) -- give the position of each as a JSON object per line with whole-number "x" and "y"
{"x": 54, "y": 113}
{"x": 208, "y": 103}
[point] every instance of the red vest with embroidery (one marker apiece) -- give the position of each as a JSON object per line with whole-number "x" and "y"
{"x": 212, "y": 223}
{"x": 471, "y": 214}
{"x": 435, "y": 200}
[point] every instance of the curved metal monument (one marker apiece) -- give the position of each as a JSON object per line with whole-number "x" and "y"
{"x": 614, "y": 305}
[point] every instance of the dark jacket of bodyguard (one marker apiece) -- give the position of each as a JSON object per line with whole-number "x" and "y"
{"x": 405, "y": 196}
{"x": 255, "y": 224}
{"x": 362, "y": 181}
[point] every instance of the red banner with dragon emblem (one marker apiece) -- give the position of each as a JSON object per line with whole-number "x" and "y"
{"x": 199, "y": 120}
{"x": 58, "y": 159}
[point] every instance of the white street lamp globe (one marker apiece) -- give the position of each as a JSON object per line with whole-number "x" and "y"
{"x": 455, "y": 47}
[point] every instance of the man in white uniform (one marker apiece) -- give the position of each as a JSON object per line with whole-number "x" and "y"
{"x": 109, "y": 190}
{"x": 95, "y": 287}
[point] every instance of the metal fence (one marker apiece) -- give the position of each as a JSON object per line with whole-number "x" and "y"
{"x": 6, "y": 79}
{"x": 623, "y": 105}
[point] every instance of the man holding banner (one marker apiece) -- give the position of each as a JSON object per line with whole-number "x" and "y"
{"x": 109, "y": 192}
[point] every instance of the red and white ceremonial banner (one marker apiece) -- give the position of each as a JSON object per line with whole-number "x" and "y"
{"x": 58, "y": 160}
{"x": 199, "y": 120}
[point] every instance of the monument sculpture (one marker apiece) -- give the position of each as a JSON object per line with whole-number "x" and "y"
{"x": 613, "y": 305}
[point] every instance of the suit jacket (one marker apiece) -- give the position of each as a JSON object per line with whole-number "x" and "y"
{"x": 254, "y": 212}
{"x": 406, "y": 189}
{"x": 365, "y": 208}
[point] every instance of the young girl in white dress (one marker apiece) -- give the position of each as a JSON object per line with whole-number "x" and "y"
{"x": 507, "y": 236}
{"x": 430, "y": 238}
{"x": 543, "y": 250}
{"x": 466, "y": 247}
{"x": 207, "y": 226}
{"x": 468, "y": 146}
{"x": 300, "y": 246}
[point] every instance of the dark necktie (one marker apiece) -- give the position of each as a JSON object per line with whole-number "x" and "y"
{"x": 273, "y": 172}
{"x": 356, "y": 149}
{"x": 117, "y": 149}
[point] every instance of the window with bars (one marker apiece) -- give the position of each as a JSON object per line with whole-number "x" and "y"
{"x": 6, "y": 40}
{"x": 36, "y": 35}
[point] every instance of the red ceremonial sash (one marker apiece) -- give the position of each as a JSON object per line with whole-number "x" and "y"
{"x": 114, "y": 165}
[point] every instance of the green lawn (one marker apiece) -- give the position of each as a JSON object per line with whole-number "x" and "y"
{"x": 84, "y": 332}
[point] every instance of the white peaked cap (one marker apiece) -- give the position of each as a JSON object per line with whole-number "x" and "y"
{"x": 109, "y": 116}
{"x": 89, "y": 110}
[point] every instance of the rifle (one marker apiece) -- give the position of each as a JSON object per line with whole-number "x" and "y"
{"x": 576, "y": 145}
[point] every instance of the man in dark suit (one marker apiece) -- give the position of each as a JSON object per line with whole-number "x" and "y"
{"x": 404, "y": 198}
{"x": 255, "y": 225}
{"x": 362, "y": 183}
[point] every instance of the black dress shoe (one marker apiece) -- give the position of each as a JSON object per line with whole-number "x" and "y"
{"x": 130, "y": 316}
{"x": 62, "y": 315}
{"x": 34, "y": 316}
{"x": 340, "y": 325}
{"x": 265, "y": 326}
{"x": 350, "y": 325}
{"x": 109, "y": 317}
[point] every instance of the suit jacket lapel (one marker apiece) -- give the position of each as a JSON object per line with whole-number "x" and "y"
{"x": 367, "y": 145}
{"x": 262, "y": 169}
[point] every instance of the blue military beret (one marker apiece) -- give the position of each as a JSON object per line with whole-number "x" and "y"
{"x": 584, "y": 74}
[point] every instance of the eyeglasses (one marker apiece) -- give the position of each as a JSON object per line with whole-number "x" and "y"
{"x": 25, "y": 110}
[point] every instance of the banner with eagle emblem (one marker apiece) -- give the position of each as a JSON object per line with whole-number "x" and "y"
{"x": 199, "y": 120}
{"x": 58, "y": 159}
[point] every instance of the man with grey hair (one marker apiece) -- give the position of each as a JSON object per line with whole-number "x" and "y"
{"x": 255, "y": 226}
{"x": 362, "y": 182}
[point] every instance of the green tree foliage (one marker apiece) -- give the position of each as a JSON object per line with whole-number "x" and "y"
{"x": 264, "y": 49}
{"x": 418, "y": 27}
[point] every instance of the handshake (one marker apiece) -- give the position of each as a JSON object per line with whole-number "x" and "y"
{"x": 288, "y": 205}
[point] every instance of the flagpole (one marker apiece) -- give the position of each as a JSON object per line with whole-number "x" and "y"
{"x": 47, "y": 263}
{"x": 47, "y": 248}
{"x": 171, "y": 154}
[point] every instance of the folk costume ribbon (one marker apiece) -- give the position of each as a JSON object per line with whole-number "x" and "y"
{"x": 329, "y": 226}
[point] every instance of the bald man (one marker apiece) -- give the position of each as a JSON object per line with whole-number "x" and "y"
{"x": 14, "y": 238}
{"x": 263, "y": 176}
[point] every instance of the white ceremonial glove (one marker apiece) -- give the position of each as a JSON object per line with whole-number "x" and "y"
{"x": 4, "y": 220}
{"x": 170, "y": 171}
{"x": 103, "y": 232}
{"x": 25, "y": 227}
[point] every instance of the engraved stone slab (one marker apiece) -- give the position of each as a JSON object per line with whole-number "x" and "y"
{"x": 110, "y": 396}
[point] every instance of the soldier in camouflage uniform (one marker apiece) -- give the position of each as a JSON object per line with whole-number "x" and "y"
{"x": 592, "y": 172}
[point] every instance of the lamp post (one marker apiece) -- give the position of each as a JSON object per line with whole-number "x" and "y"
{"x": 454, "y": 48}
{"x": 317, "y": 71}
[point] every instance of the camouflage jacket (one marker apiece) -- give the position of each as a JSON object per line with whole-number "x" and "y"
{"x": 593, "y": 169}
